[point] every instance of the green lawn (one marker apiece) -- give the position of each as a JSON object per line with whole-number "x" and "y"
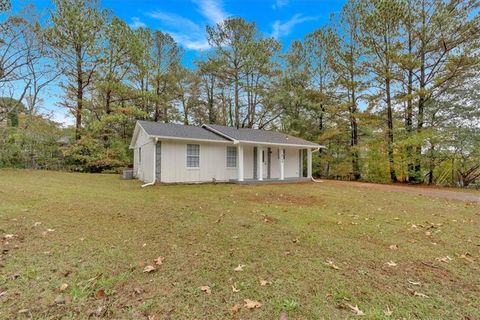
{"x": 321, "y": 249}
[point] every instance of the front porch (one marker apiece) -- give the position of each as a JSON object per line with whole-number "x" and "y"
{"x": 272, "y": 163}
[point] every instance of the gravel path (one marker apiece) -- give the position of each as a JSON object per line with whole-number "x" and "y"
{"x": 439, "y": 192}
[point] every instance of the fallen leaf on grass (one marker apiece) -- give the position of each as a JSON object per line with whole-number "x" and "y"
{"x": 59, "y": 299}
{"x": 444, "y": 259}
{"x": 21, "y": 311}
{"x": 419, "y": 294}
{"x": 283, "y": 316}
{"x": 149, "y": 269}
{"x": 332, "y": 265}
{"x": 63, "y": 287}
{"x": 388, "y": 312}
{"x": 251, "y": 304}
{"x": 414, "y": 283}
{"x": 467, "y": 256}
{"x": 264, "y": 282}
{"x": 100, "y": 294}
{"x": 268, "y": 219}
{"x": 240, "y": 267}
{"x": 36, "y": 224}
{"x": 393, "y": 247}
{"x": 206, "y": 289}
{"x": 8, "y": 236}
{"x": 50, "y": 230}
{"x": 235, "y": 289}
{"x": 391, "y": 264}
{"x": 355, "y": 310}
{"x": 159, "y": 261}
{"x": 236, "y": 308}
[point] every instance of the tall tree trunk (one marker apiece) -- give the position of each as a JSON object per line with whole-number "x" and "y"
{"x": 237, "y": 107}
{"x": 108, "y": 101}
{"x": 409, "y": 117}
{"x": 79, "y": 110}
{"x": 393, "y": 175}
{"x": 421, "y": 98}
{"x": 210, "y": 103}
{"x": 157, "y": 103}
{"x": 185, "y": 111}
{"x": 420, "y": 116}
{"x": 431, "y": 164}
{"x": 320, "y": 118}
{"x": 354, "y": 125}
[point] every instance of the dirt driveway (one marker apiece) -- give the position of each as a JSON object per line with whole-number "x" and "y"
{"x": 439, "y": 192}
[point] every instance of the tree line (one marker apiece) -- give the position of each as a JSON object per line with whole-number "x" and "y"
{"x": 390, "y": 87}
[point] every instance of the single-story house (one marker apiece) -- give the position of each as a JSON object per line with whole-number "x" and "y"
{"x": 175, "y": 153}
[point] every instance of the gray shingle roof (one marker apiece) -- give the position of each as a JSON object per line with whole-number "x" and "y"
{"x": 207, "y": 132}
{"x": 178, "y": 131}
{"x": 255, "y": 135}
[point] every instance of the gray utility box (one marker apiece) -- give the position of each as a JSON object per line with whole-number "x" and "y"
{"x": 127, "y": 174}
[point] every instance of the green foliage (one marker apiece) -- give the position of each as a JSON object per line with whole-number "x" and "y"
{"x": 32, "y": 144}
{"x": 10, "y": 110}
{"x": 90, "y": 155}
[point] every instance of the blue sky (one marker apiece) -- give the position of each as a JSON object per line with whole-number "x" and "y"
{"x": 185, "y": 20}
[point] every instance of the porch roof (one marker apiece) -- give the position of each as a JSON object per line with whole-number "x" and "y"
{"x": 249, "y": 135}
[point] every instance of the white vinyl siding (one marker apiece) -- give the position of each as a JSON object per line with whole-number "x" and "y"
{"x": 193, "y": 156}
{"x": 231, "y": 157}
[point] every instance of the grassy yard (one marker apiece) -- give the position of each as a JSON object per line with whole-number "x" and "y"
{"x": 76, "y": 245}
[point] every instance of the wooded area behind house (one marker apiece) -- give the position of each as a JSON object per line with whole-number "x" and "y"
{"x": 390, "y": 87}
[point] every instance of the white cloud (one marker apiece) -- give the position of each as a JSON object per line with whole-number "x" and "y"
{"x": 212, "y": 10}
{"x": 279, "y": 4}
{"x": 187, "y": 33}
{"x": 136, "y": 23}
{"x": 190, "y": 34}
{"x": 281, "y": 29}
{"x": 175, "y": 21}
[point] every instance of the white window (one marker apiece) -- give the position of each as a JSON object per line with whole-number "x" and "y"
{"x": 140, "y": 155}
{"x": 193, "y": 155}
{"x": 231, "y": 157}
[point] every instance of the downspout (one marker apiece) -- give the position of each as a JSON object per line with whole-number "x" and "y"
{"x": 154, "y": 164}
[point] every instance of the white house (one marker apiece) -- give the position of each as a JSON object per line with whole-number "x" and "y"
{"x": 174, "y": 153}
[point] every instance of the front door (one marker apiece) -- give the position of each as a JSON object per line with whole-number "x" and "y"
{"x": 269, "y": 163}
{"x": 255, "y": 162}
{"x": 158, "y": 161}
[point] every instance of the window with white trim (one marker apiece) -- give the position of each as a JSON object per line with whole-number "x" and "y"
{"x": 193, "y": 156}
{"x": 231, "y": 157}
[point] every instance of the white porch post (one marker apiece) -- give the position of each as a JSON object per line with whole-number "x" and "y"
{"x": 309, "y": 163}
{"x": 282, "y": 164}
{"x": 259, "y": 163}
{"x": 240, "y": 162}
{"x": 301, "y": 163}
